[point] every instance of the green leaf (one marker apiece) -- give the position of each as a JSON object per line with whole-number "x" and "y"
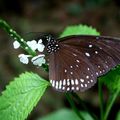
{"x": 21, "y": 95}
{"x": 79, "y": 30}
{"x": 118, "y": 116}
{"x": 66, "y": 114}
{"x": 112, "y": 79}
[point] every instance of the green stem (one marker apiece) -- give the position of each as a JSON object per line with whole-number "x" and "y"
{"x": 17, "y": 37}
{"x": 83, "y": 105}
{"x": 79, "y": 99}
{"x": 110, "y": 103}
{"x": 69, "y": 98}
{"x": 101, "y": 99}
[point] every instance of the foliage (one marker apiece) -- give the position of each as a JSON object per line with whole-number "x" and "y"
{"x": 112, "y": 79}
{"x": 21, "y": 95}
{"x": 79, "y": 30}
{"x": 118, "y": 116}
{"x": 66, "y": 114}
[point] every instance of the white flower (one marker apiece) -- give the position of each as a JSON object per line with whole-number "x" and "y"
{"x": 32, "y": 44}
{"x": 24, "y": 58}
{"x": 36, "y": 46}
{"x": 40, "y": 47}
{"x": 16, "y": 44}
{"x": 38, "y": 60}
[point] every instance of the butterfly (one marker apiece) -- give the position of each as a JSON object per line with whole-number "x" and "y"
{"x": 75, "y": 62}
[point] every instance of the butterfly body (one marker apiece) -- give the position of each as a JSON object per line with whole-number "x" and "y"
{"x": 75, "y": 62}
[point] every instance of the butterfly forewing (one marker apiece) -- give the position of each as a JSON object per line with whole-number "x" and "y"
{"x": 103, "y": 53}
{"x": 80, "y": 60}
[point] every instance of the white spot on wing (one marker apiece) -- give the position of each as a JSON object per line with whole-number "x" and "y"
{"x": 56, "y": 86}
{"x": 78, "y": 61}
{"x": 87, "y": 77}
{"x": 105, "y": 61}
{"x": 57, "y": 83}
{"x": 71, "y": 73}
{"x": 76, "y": 81}
{"x": 72, "y": 88}
{"x": 85, "y": 85}
{"x": 106, "y": 66}
{"x": 98, "y": 66}
{"x": 71, "y": 66}
{"x": 60, "y": 84}
{"x": 91, "y": 80}
{"x": 68, "y": 82}
{"x": 81, "y": 85}
{"x": 64, "y": 82}
{"x": 72, "y": 82}
{"x": 77, "y": 88}
{"x": 68, "y": 89}
{"x": 74, "y": 54}
{"x": 96, "y": 52}
{"x": 88, "y": 69}
{"x": 90, "y": 46}
{"x": 65, "y": 70}
{"x": 96, "y": 73}
{"x": 53, "y": 83}
{"x": 87, "y": 54}
{"x": 77, "y": 65}
{"x": 63, "y": 88}
{"x": 82, "y": 80}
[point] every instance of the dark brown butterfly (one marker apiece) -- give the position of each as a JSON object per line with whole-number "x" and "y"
{"x": 75, "y": 62}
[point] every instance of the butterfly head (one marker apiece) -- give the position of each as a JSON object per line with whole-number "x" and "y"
{"x": 50, "y": 43}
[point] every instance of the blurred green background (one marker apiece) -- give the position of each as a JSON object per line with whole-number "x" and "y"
{"x": 53, "y": 16}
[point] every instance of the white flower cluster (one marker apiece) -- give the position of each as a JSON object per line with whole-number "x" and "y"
{"x": 37, "y": 60}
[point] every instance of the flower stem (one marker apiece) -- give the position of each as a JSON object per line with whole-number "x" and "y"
{"x": 69, "y": 98}
{"x": 83, "y": 105}
{"x": 101, "y": 99}
{"x": 17, "y": 37}
{"x": 110, "y": 103}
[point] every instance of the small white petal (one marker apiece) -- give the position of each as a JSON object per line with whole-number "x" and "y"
{"x": 40, "y": 47}
{"x": 38, "y": 60}
{"x": 16, "y": 45}
{"x": 24, "y": 58}
{"x": 39, "y": 41}
{"x": 32, "y": 44}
